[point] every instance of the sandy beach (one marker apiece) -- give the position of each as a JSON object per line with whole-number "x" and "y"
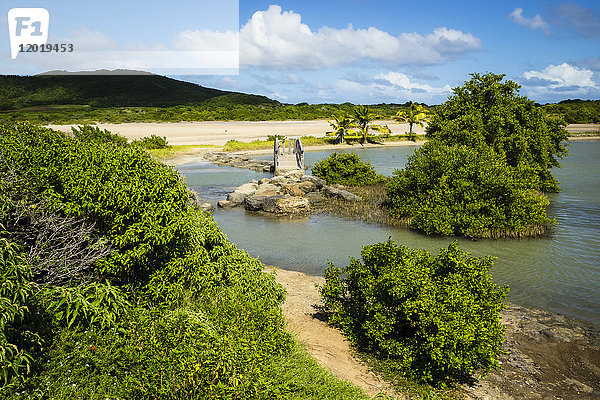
{"x": 219, "y": 132}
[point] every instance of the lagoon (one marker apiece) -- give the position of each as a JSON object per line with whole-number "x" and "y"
{"x": 559, "y": 273}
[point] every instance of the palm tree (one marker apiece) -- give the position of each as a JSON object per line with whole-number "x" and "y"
{"x": 362, "y": 119}
{"x": 414, "y": 115}
{"x": 341, "y": 126}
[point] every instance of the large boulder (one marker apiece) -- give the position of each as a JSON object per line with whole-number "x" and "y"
{"x": 331, "y": 191}
{"x": 227, "y": 204}
{"x": 319, "y": 183}
{"x": 236, "y": 197}
{"x": 278, "y": 180}
{"x": 255, "y": 203}
{"x": 247, "y": 188}
{"x": 263, "y": 203}
{"x": 293, "y": 205}
{"x": 307, "y": 186}
{"x": 267, "y": 189}
{"x": 293, "y": 190}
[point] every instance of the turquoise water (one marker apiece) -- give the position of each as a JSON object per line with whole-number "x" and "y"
{"x": 560, "y": 273}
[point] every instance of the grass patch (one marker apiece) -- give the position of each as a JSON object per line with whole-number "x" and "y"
{"x": 373, "y": 208}
{"x": 178, "y": 150}
{"x": 410, "y": 389}
{"x": 302, "y": 377}
{"x": 234, "y": 145}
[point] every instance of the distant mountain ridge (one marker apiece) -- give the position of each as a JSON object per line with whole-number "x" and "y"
{"x": 137, "y": 89}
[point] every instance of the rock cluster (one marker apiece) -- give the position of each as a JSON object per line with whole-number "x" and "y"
{"x": 239, "y": 161}
{"x": 288, "y": 193}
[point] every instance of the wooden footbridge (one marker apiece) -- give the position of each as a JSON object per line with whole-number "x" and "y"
{"x": 292, "y": 158}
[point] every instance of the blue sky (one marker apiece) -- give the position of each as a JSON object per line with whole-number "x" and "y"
{"x": 395, "y": 51}
{"x": 362, "y": 51}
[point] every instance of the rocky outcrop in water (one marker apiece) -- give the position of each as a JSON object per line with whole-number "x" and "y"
{"x": 239, "y": 161}
{"x": 289, "y": 193}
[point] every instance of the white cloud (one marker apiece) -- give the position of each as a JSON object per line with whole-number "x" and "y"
{"x": 562, "y": 76}
{"x": 207, "y": 40}
{"x": 390, "y": 87}
{"x": 537, "y": 22}
{"x": 278, "y": 39}
{"x": 401, "y": 81}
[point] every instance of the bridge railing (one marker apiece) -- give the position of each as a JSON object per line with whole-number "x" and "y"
{"x": 294, "y": 147}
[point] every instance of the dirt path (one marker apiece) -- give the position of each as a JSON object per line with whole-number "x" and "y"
{"x": 325, "y": 344}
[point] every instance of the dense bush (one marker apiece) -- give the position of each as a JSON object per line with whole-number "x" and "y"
{"x": 139, "y": 205}
{"x": 458, "y": 190}
{"x": 433, "y": 319}
{"x": 346, "y": 169}
{"x": 151, "y": 142}
{"x": 16, "y": 291}
{"x": 183, "y": 313}
{"x": 488, "y": 113}
{"x": 88, "y": 133}
{"x": 576, "y": 111}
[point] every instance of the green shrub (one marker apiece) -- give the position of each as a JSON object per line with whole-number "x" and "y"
{"x": 435, "y": 319}
{"x": 488, "y": 113}
{"x": 87, "y": 133}
{"x": 184, "y": 312}
{"x": 346, "y": 169}
{"x": 16, "y": 291}
{"x": 94, "y": 304}
{"x": 151, "y": 142}
{"x": 138, "y": 204}
{"x": 459, "y": 190}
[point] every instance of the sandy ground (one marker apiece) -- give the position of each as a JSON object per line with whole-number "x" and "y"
{"x": 327, "y": 345}
{"x": 219, "y": 132}
{"x": 578, "y": 128}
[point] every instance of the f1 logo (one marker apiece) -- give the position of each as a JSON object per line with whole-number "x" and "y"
{"x": 27, "y": 26}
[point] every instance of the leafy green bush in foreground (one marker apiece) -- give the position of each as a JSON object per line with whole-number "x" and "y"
{"x": 346, "y": 169}
{"x": 458, "y": 190}
{"x": 434, "y": 319}
{"x": 183, "y": 312}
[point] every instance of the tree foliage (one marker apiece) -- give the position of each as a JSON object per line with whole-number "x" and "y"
{"x": 459, "y": 190}
{"x": 346, "y": 169}
{"x": 342, "y": 125}
{"x": 488, "y": 113}
{"x": 433, "y": 319}
{"x": 415, "y": 114}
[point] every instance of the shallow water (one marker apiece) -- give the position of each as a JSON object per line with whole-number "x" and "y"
{"x": 560, "y": 273}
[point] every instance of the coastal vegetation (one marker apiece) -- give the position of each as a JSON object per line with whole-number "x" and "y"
{"x": 116, "y": 285}
{"x": 433, "y": 319}
{"x": 460, "y": 190}
{"x": 415, "y": 114}
{"x": 487, "y": 113}
{"x": 346, "y": 169}
{"x": 487, "y": 160}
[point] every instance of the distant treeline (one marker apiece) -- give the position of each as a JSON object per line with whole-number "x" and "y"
{"x": 576, "y": 111}
{"x": 79, "y": 99}
{"x": 228, "y": 107}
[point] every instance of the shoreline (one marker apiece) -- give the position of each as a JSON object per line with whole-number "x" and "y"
{"x": 188, "y": 158}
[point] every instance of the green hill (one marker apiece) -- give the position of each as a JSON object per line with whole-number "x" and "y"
{"x": 140, "y": 90}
